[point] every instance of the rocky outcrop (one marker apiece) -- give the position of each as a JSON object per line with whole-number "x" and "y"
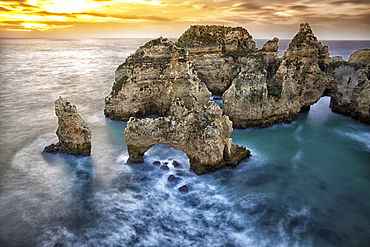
{"x": 303, "y": 66}
{"x": 203, "y": 133}
{"x": 73, "y": 132}
{"x": 271, "y": 45}
{"x": 259, "y": 88}
{"x": 269, "y": 91}
{"x": 214, "y": 53}
{"x": 305, "y": 44}
{"x": 350, "y": 87}
{"x": 361, "y": 57}
{"x": 148, "y": 81}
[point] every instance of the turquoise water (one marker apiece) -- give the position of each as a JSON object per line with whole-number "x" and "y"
{"x": 318, "y": 167}
{"x": 307, "y": 183}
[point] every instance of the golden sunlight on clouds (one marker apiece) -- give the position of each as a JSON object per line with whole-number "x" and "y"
{"x": 335, "y": 19}
{"x": 66, "y": 6}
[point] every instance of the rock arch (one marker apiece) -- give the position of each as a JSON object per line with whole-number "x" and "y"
{"x": 203, "y": 133}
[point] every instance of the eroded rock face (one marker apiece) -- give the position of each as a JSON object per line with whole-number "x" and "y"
{"x": 214, "y": 52}
{"x": 199, "y": 39}
{"x": 270, "y": 91}
{"x": 259, "y": 88}
{"x": 73, "y": 132}
{"x": 203, "y": 133}
{"x": 361, "y": 57}
{"x": 271, "y": 45}
{"x": 305, "y": 44}
{"x": 150, "y": 79}
{"x": 350, "y": 87}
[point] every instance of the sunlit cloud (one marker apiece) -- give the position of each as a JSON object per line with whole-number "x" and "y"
{"x": 260, "y": 17}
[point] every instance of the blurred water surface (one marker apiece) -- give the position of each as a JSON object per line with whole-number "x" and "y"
{"x": 307, "y": 183}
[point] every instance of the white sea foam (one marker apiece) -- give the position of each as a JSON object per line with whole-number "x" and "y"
{"x": 362, "y": 138}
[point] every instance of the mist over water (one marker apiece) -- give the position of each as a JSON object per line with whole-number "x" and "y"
{"x": 307, "y": 183}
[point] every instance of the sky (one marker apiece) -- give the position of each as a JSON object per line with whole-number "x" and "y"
{"x": 329, "y": 19}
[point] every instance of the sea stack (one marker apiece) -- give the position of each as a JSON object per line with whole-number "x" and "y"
{"x": 203, "y": 133}
{"x": 73, "y": 132}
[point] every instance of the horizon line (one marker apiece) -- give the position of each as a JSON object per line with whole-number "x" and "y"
{"x": 66, "y": 38}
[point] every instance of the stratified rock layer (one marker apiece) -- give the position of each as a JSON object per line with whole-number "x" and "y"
{"x": 259, "y": 89}
{"x": 268, "y": 91}
{"x": 150, "y": 79}
{"x": 213, "y": 50}
{"x": 361, "y": 57}
{"x": 350, "y": 86}
{"x": 73, "y": 132}
{"x": 203, "y": 133}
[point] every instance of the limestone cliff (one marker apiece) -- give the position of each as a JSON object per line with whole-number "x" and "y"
{"x": 203, "y": 133}
{"x": 73, "y": 132}
{"x": 350, "y": 86}
{"x": 259, "y": 88}
{"x": 213, "y": 50}
{"x": 263, "y": 95}
{"x": 148, "y": 81}
{"x": 361, "y": 57}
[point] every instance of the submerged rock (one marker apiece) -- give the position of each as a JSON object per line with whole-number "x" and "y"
{"x": 172, "y": 178}
{"x": 176, "y": 164}
{"x": 203, "y": 133}
{"x": 73, "y": 132}
{"x": 184, "y": 189}
{"x": 163, "y": 167}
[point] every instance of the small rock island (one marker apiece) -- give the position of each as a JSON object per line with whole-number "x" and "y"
{"x": 73, "y": 132}
{"x": 203, "y": 133}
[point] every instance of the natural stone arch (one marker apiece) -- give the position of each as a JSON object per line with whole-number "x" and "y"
{"x": 203, "y": 134}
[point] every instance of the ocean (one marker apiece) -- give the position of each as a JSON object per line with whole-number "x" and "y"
{"x": 306, "y": 184}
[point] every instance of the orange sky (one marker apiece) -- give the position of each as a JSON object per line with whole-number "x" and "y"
{"x": 333, "y": 19}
